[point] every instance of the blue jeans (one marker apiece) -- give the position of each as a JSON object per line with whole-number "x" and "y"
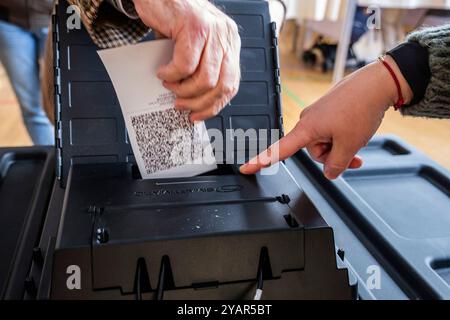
{"x": 19, "y": 53}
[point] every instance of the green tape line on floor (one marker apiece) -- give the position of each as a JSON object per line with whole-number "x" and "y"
{"x": 293, "y": 96}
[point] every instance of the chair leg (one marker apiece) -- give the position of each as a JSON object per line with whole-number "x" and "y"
{"x": 344, "y": 41}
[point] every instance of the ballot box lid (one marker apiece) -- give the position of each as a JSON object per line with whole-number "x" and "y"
{"x": 89, "y": 123}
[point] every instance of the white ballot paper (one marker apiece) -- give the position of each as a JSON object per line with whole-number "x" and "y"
{"x": 164, "y": 142}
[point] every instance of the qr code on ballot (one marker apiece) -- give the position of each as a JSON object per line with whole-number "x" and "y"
{"x": 166, "y": 139}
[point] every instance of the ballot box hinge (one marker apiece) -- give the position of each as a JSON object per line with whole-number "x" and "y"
{"x": 277, "y": 78}
{"x": 57, "y": 93}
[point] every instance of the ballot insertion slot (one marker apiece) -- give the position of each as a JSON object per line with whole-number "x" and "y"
{"x": 222, "y": 169}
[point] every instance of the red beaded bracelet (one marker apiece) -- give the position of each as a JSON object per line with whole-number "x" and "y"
{"x": 401, "y": 101}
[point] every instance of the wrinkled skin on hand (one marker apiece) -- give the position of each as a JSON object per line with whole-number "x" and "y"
{"x": 204, "y": 72}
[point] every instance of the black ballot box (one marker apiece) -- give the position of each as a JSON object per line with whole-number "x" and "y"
{"x": 211, "y": 236}
{"x": 86, "y": 226}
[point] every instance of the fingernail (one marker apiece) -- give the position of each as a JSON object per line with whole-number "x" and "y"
{"x": 243, "y": 168}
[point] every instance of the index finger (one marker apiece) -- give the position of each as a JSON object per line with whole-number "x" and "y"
{"x": 281, "y": 150}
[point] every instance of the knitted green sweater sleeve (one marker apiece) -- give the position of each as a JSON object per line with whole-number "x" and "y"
{"x": 436, "y": 102}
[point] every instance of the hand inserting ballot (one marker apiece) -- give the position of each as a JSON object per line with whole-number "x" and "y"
{"x": 204, "y": 72}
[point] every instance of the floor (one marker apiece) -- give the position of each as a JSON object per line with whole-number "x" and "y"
{"x": 300, "y": 88}
{"x": 12, "y": 130}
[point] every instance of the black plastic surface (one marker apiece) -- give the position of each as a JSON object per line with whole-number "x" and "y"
{"x": 207, "y": 232}
{"x": 172, "y": 208}
{"x": 26, "y": 175}
{"x": 398, "y": 205}
{"x": 391, "y": 214}
{"x": 425, "y": 211}
{"x": 89, "y": 120}
{"x": 41, "y": 270}
{"x": 211, "y": 229}
{"x": 221, "y": 220}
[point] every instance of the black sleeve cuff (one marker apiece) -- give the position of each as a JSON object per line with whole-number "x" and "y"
{"x": 412, "y": 60}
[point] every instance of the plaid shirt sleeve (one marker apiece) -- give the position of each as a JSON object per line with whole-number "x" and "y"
{"x": 107, "y": 27}
{"x": 126, "y": 7}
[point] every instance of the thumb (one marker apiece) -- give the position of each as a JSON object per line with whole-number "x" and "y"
{"x": 338, "y": 161}
{"x": 281, "y": 150}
